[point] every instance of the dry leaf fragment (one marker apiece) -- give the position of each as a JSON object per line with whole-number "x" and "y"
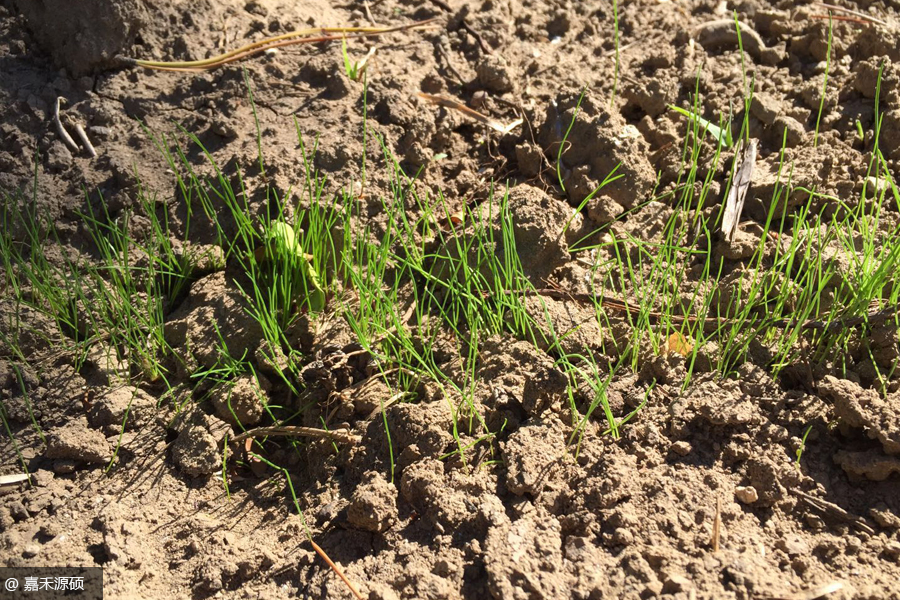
{"x": 13, "y": 479}
{"x": 677, "y": 343}
{"x": 813, "y": 593}
{"x": 474, "y": 114}
{"x": 740, "y": 184}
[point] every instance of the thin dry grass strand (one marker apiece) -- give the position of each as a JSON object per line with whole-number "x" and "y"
{"x": 337, "y": 570}
{"x": 473, "y": 114}
{"x": 314, "y": 35}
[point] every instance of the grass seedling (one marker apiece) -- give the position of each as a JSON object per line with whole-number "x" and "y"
{"x": 802, "y": 446}
{"x": 562, "y": 144}
{"x": 4, "y": 419}
{"x": 355, "y": 69}
{"x": 722, "y": 134}
{"x": 825, "y": 82}
{"x": 612, "y": 98}
{"x": 28, "y": 404}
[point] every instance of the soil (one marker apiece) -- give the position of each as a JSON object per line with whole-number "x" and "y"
{"x": 620, "y": 518}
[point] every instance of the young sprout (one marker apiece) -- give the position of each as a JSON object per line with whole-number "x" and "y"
{"x": 355, "y": 70}
{"x": 720, "y": 134}
{"x": 802, "y": 446}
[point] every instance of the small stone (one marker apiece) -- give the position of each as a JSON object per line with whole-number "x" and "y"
{"x": 793, "y": 545}
{"x": 682, "y": 448}
{"x": 63, "y": 466}
{"x": 224, "y": 129}
{"x": 530, "y": 159}
{"x": 256, "y": 8}
{"x": 765, "y": 108}
{"x": 892, "y": 550}
{"x": 18, "y": 511}
{"x": 42, "y": 478}
{"x": 31, "y": 550}
{"x": 622, "y": 537}
{"x": 653, "y": 589}
{"x": 677, "y": 583}
{"x": 58, "y": 157}
{"x": 109, "y": 410}
{"x": 37, "y": 106}
{"x": 382, "y": 592}
{"x": 877, "y": 185}
{"x": 49, "y": 530}
{"x": 800, "y": 564}
{"x": 100, "y": 131}
{"x": 746, "y": 494}
{"x": 744, "y": 245}
{"x": 884, "y": 517}
{"x": 241, "y": 401}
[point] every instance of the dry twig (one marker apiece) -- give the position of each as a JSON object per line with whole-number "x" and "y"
{"x": 63, "y": 134}
{"x": 336, "y": 569}
{"x": 85, "y": 142}
{"x": 319, "y": 34}
{"x": 14, "y": 479}
{"x": 337, "y": 435}
{"x": 474, "y": 114}
{"x": 861, "y": 16}
{"x": 717, "y": 524}
{"x": 833, "y": 510}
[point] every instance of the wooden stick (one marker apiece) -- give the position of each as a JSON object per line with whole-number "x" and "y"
{"x": 337, "y": 570}
{"x": 474, "y": 114}
{"x": 63, "y": 134}
{"x": 319, "y": 34}
{"x": 82, "y": 135}
{"x": 338, "y": 435}
{"x": 849, "y": 11}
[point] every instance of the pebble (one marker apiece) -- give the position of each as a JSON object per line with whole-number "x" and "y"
{"x": 746, "y": 494}
{"x": 682, "y": 448}
{"x": 793, "y": 545}
{"x": 892, "y": 550}
{"x": 622, "y": 537}
{"x": 18, "y": 511}
{"x": 100, "y": 131}
{"x": 653, "y": 589}
{"x": 63, "y": 466}
{"x": 31, "y": 550}
{"x": 677, "y": 583}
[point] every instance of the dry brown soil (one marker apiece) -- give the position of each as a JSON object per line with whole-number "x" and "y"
{"x": 627, "y": 518}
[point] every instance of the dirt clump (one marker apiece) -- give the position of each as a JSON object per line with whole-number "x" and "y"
{"x": 241, "y": 401}
{"x": 77, "y": 441}
{"x": 866, "y": 410}
{"x": 373, "y": 506}
{"x": 609, "y": 146}
{"x": 110, "y": 410}
{"x": 88, "y": 40}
